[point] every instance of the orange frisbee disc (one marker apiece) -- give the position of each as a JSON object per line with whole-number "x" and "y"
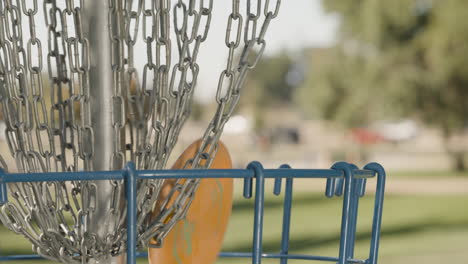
{"x": 198, "y": 238}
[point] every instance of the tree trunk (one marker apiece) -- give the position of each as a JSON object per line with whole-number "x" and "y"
{"x": 458, "y": 159}
{"x": 456, "y": 153}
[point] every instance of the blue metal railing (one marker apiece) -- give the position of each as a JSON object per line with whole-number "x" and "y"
{"x": 343, "y": 179}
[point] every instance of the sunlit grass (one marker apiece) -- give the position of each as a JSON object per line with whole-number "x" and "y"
{"x": 416, "y": 229}
{"x": 413, "y": 227}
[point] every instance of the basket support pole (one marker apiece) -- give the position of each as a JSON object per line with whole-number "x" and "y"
{"x": 97, "y": 28}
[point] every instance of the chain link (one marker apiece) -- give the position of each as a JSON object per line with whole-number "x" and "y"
{"x": 53, "y": 132}
{"x": 228, "y": 94}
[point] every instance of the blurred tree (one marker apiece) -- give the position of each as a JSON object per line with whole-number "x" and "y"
{"x": 395, "y": 58}
{"x": 198, "y": 111}
{"x": 270, "y": 79}
{"x": 270, "y": 84}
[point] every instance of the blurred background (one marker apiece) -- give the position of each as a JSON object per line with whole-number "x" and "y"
{"x": 361, "y": 81}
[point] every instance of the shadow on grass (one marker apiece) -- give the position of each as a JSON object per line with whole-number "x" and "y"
{"x": 313, "y": 242}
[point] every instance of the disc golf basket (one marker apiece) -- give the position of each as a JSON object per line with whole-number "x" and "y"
{"x": 93, "y": 147}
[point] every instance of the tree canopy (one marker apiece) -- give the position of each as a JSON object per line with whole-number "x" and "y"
{"x": 394, "y": 58}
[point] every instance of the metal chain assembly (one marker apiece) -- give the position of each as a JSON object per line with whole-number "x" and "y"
{"x": 45, "y": 97}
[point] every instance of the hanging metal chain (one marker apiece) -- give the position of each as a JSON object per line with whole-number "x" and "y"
{"x": 228, "y": 94}
{"x": 40, "y": 140}
{"x": 53, "y": 132}
{"x": 27, "y": 126}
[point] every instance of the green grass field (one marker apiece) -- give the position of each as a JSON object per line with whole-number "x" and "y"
{"x": 416, "y": 229}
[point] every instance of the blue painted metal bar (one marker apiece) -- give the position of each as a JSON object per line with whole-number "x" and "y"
{"x": 330, "y": 189}
{"x": 287, "y": 205}
{"x": 339, "y": 186}
{"x": 248, "y": 182}
{"x": 277, "y": 186}
{"x": 131, "y": 189}
{"x": 342, "y": 178}
{"x": 378, "y": 209}
{"x": 3, "y": 188}
{"x": 320, "y": 174}
{"x": 64, "y": 176}
{"x": 20, "y": 257}
{"x": 343, "y": 252}
{"x": 177, "y": 174}
{"x": 362, "y": 187}
{"x": 355, "y": 195}
{"x": 222, "y": 255}
{"x": 258, "y": 213}
{"x": 38, "y": 257}
{"x": 289, "y": 256}
{"x": 275, "y": 256}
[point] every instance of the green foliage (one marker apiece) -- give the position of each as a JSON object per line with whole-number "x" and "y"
{"x": 197, "y": 111}
{"x": 394, "y": 58}
{"x": 267, "y": 83}
{"x": 267, "y": 86}
{"x": 334, "y": 91}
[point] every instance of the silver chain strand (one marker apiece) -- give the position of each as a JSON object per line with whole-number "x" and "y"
{"x": 53, "y": 132}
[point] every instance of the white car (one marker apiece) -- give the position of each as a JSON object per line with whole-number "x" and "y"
{"x": 397, "y": 131}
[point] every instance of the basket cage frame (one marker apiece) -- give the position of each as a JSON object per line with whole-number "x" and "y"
{"x": 343, "y": 180}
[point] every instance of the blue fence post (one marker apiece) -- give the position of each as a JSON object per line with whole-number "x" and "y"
{"x": 378, "y": 209}
{"x": 355, "y": 195}
{"x": 130, "y": 191}
{"x": 3, "y": 188}
{"x": 287, "y": 205}
{"x": 345, "y": 217}
{"x": 258, "y": 214}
